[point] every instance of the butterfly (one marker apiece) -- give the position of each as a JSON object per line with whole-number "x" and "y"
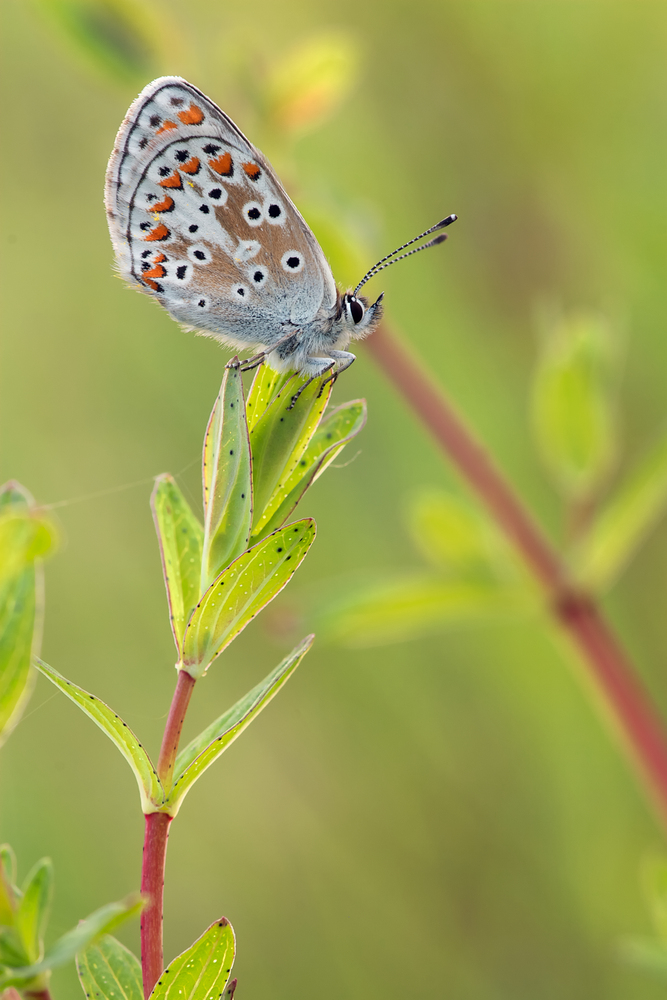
{"x": 200, "y": 222}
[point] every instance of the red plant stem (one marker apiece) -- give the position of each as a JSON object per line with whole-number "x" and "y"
{"x": 152, "y": 886}
{"x": 40, "y": 995}
{"x": 172, "y": 730}
{"x": 155, "y": 840}
{"x": 640, "y": 724}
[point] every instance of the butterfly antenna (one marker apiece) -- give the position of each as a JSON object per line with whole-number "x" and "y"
{"x": 387, "y": 262}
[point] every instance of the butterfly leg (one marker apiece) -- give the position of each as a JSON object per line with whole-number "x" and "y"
{"x": 313, "y": 367}
{"x": 343, "y": 360}
{"x": 249, "y": 363}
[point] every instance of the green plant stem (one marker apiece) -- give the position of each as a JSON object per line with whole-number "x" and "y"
{"x": 575, "y": 612}
{"x": 156, "y": 838}
{"x": 152, "y": 886}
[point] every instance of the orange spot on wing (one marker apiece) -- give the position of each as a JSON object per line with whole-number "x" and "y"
{"x": 191, "y": 167}
{"x": 159, "y": 233}
{"x": 159, "y": 258}
{"x": 173, "y": 181}
{"x": 151, "y": 284}
{"x": 252, "y": 170}
{"x": 193, "y": 116}
{"x": 156, "y": 272}
{"x": 222, "y": 165}
{"x": 165, "y": 205}
{"x": 166, "y": 127}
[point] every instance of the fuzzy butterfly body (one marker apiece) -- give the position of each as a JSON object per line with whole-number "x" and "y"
{"x": 200, "y": 222}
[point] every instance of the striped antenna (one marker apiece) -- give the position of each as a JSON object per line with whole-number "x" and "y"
{"x": 387, "y": 262}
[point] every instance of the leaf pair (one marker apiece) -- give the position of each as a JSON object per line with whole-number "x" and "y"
{"x": 258, "y": 461}
{"x": 198, "y": 756}
{"x": 24, "y": 914}
{"x": 26, "y": 537}
{"x": 574, "y": 418}
{"x": 108, "y": 969}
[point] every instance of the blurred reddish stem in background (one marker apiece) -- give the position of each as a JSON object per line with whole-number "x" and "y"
{"x": 576, "y": 612}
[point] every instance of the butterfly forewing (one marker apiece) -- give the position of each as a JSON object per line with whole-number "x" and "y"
{"x": 200, "y": 221}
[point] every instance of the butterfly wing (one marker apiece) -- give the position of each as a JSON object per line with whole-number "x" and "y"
{"x": 199, "y": 220}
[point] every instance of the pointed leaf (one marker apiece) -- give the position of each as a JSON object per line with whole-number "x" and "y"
{"x": 9, "y": 893}
{"x": 241, "y": 591}
{"x": 102, "y": 921}
{"x": 573, "y": 411}
{"x": 335, "y": 430}
{"x": 33, "y": 911}
{"x": 180, "y": 537}
{"x": 26, "y": 535}
{"x": 227, "y": 480}
{"x": 109, "y": 970}
{"x": 20, "y": 634}
{"x": 150, "y": 788}
{"x": 625, "y": 520}
{"x": 201, "y": 972}
{"x": 265, "y": 385}
{"x": 281, "y": 435}
{"x": 214, "y": 740}
{"x": 394, "y": 611}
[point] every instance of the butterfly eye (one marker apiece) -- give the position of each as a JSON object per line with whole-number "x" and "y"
{"x": 356, "y": 310}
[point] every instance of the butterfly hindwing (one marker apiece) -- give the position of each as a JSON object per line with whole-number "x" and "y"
{"x": 199, "y": 220}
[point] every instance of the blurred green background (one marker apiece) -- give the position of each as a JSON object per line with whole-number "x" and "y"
{"x": 447, "y": 817}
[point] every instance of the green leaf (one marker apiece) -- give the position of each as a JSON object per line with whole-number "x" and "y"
{"x": 651, "y": 956}
{"x": 573, "y": 411}
{"x": 33, "y": 911}
{"x": 227, "y": 480}
{"x": 102, "y": 921}
{"x": 624, "y": 521}
{"x": 8, "y": 863}
{"x": 201, "y": 972}
{"x": 26, "y": 536}
{"x": 241, "y": 591}
{"x": 180, "y": 537}
{"x": 394, "y": 611}
{"x": 456, "y": 537}
{"x": 115, "y": 36}
{"x": 23, "y": 538}
{"x": 280, "y": 437}
{"x": 335, "y": 430}
{"x": 214, "y": 740}
{"x": 109, "y": 970}
{"x": 265, "y": 386}
{"x": 150, "y": 787}
{"x": 20, "y": 634}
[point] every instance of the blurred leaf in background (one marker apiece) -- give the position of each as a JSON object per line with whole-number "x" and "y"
{"x": 573, "y": 404}
{"x": 119, "y": 38}
{"x": 624, "y": 521}
{"x": 474, "y": 579}
{"x": 650, "y": 954}
{"x": 309, "y": 83}
{"x": 27, "y": 535}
